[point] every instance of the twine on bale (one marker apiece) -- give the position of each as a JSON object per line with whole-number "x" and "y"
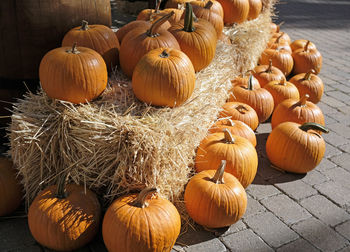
{"x": 116, "y": 144}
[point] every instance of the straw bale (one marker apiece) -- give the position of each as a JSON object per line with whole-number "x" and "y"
{"x": 117, "y": 144}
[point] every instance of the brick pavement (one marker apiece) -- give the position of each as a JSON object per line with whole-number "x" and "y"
{"x": 286, "y": 212}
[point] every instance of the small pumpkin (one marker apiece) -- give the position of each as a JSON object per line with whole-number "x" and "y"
{"x": 176, "y": 3}
{"x": 255, "y": 7}
{"x": 64, "y": 217}
{"x": 130, "y": 26}
{"x": 138, "y": 222}
{"x": 278, "y": 33}
{"x": 306, "y": 59}
{"x": 216, "y": 7}
{"x": 281, "y": 59}
{"x": 164, "y": 77}
{"x": 300, "y": 44}
{"x": 280, "y": 43}
{"x": 10, "y": 188}
{"x": 309, "y": 83}
{"x": 240, "y": 111}
{"x": 235, "y": 11}
{"x": 297, "y": 110}
{"x": 243, "y": 80}
{"x": 215, "y": 199}
{"x": 266, "y": 73}
{"x": 296, "y": 148}
{"x": 282, "y": 90}
{"x": 97, "y": 37}
{"x": 152, "y": 15}
{"x": 241, "y": 156}
{"x": 73, "y": 74}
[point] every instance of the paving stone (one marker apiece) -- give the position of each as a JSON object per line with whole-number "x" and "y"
{"x": 260, "y": 189}
{"x": 340, "y": 128}
{"x": 178, "y": 248}
{"x": 334, "y": 139}
{"x": 264, "y": 128}
{"x": 329, "y": 120}
{"x": 342, "y": 160}
{"x": 273, "y": 231}
{"x": 344, "y": 229}
{"x": 331, "y": 151}
{"x": 314, "y": 177}
{"x": 207, "y": 246}
{"x": 338, "y": 95}
{"x": 320, "y": 235}
{"x": 325, "y": 210}
{"x": 245, "y": 241}
{"x": 285, "y": 209}
{"x": 339, "y": 175}
{"x": 296, "y": 189}
{"x": 326, "y": 109}
{"x": 253, "y": 207}
{"x": 346, "y": 249}
{"x": 335, "y": 192}
{"x": 325, "y": 164}
{"x": 238, "y": 226}
{"x": 192, "y": 237}
{"x": 299, "y": 245}
{"x": 345, "y": 148}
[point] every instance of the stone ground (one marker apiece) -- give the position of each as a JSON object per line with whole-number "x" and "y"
{"x": 285, "y": 212}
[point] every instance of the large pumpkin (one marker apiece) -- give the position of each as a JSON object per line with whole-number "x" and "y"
{"x": 235, "y": 11}
{"x": 215, "y": 199}
{"x": 64, "y": 217}
{"x": 164, "y": 77}
{"x": 296, "y": 148}
{"x": 31, "y": 28}
{"x": 10, "y": 188}
{"x": 137, "y": 222}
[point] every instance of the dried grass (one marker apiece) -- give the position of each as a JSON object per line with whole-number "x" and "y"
{"x": 117, "y": 144}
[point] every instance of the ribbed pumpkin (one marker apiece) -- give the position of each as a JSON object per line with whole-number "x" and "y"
{"x": 130, "y": 26}
{"x": 255, "y": 7}
{"x": 97, "y": 37}
{"x": 243, "y": 80}
{"x": 235, "y": 11}
{"x": 282, "y": 90}
{"x": 258, "y": 98}
{"x": 273, "y": 28}
{"x": 152, "y": 15}
{"x": 296, "y": 148}
{"x": 241, "y": 156}
{"x": 266, "y": 73}
{"x": 236, "y": 127}
{"x": 138, "y": 222}
{"x": 74, "y": 74}
{"x": 174, "y": 18}
{"x": 164, "y": 77}
{"x": 10, "y": 188}
{"x": 279, "y": 43}
{"x": 281, "y": 59}
{"x": 240, "y": 111}
{"x": 215, "y": 198}
{"x": 309, "y": 83}
{"x": 197, "y": 40}
{"x": 64, "y": 217}
{"x": 306, "y": 59}
{"x": 300, "y": 44}
{"x": 175, "y": 3}
{"x": 217, "y": 8}
{"x": 278, "y": 33}
{"x": 140, "y": 41}
{"x": 299, "y": 111}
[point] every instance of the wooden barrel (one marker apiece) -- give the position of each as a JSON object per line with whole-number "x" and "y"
{"x": 30, "y": 28}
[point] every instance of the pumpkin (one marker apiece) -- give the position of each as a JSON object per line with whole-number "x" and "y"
{"x": 130, "y": 26}
{"x": 215, "y": 199}
{"x": 97, "y": 37}
{"x": 197, "y": 39}
{"x": 164, "y": 77}
{"x": 216, "y": 7}
{"x": 74, "y": 74}
{"x": 281, "y": 59}
{"x": 174, "y": 18}
{"x": 296, "y": 148}
{"x": 309, "y": 83}
{"x": 278, "y": 33}
{"x": 241, "y": 156}
{"x": 273, "y": 28}
{"x": 235, "y": 11}
{"x": 138, "y": 222}
{"x": 176, "y": 3}
{"x": 306, "y": 59}
{"x": 282, "y": 90}
{"x": 258, "y": 98}
{"x": 139, "y": 41}
{"x": 255, "y": 7}
{"x": 236, "y": 127}
{"x": 297, "y": 110}
{"x": 206, "y": 13}
{"x": 243, "y": 80}
{"x": 300, "y": 44}
{"x": 64, "y": 217}
{"x": 266, "y": 73}
{"x": 151, "y": 16}
{"x": 10, "y": 188}
{"x": 240, "y": 111}
{"x": 280, "y": 43}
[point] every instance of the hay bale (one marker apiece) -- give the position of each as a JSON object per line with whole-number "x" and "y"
{"x": 117, "y": 144}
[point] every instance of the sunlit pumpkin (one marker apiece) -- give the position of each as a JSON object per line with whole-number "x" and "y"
{"x": 306, "y": 59}
{"x": 255, "y": 7}
{"x": 282, "y": 90}
{"x": 301, "y": 43}
{"x": 121, "y": 32}
{"x": 281, "y": 59}
{"x": 235, "y": 11}
{"x": 266, "y": 73}
{"x": 216, "y": 7}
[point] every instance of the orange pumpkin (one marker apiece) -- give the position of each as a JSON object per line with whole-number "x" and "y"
{"x": 215, "y": 198}
{"x": 10, "y": 188}
{"x": 138, "y": 222}
{"x": 278, "y": 33}
{"x": 130, "y": 26}
{"x": 243, "y": 80}
{"x": 266, "y": 73}
{"x": 176, "y": 3}
{"x": 235, "y": 11}
{"x": 310, "y": 84}
{"x": 300, "y": 44}
{"x": 64, "y": 217}
{"x": 241, "y": 156}
{"x": 164, "y": 77}
{"x": 255, "y": 7}
{"x": 280, "y": 43}
{"x": 216, "y": 7}
{"x": 282, "y": 90}
{"x": 97, "y": 37}
{"x": 151, "y": 16}
{"x": 306, "y": 59}
{"x": 299, "y": 111}
{"x": 281, "y": 59}
{"x": 296, "y": 148}
{"x": 74, "y": 74}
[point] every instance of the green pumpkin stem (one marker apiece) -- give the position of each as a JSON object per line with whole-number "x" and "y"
{"x": 84, "y": 25}
{"x": 152, "y": 32}
{"x": 250, "y": 82}
{"x": 61, "y": 184}
{"x": 307, "y": 76}
{"x": 228, "y": 136}
{"x": 208, "y": 5}
{"x": 314, "y": 126}
{"x": 140, "y": 200}
{"x": 219, "y": 174}
{"x": 188, "y": 23}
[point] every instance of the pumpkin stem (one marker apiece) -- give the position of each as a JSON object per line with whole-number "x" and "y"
{"x": 140, "y": 201}
{"x": 61, "y": 192}
{"x": 74, "y": 49}
{"x": 250, "y": 82}
{"x": 84, "y": 25}
{"x": 164, "y": 54}
{"x": 230, "y": 122}
{"x": 278, "y": 38}
{"x": 279, "y": 26}
{"x": 152, "y": 32}
{"x": 219, "y": 174}
{"x": 303, "y": 100}
{"x": 314, "y": 126}
{"x": 228, "y": 136}
{"x": 307, "y": 76}
{"x": 283, "y": 82}
{"x": 241, "y": 109}
{"x": 158, "y": 2}
{"x": 269, "y": 69}
{"x": 188, "y": 23}
{"x": 208, "y": 5}
{"x": 306, "y": 47}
